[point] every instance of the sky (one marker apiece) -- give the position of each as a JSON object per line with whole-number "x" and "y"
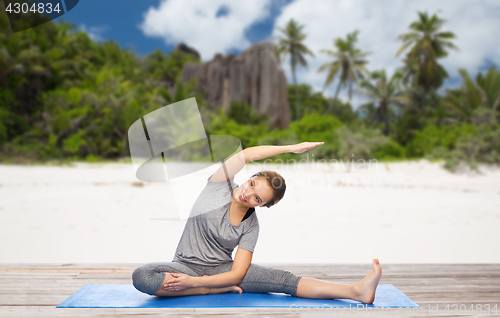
{"x": 224, "y": 26}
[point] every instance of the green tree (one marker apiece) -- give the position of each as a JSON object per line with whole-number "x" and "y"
{"x": 427, "y": 44}
{"x": 243, "y": 114}
{"x": 291, "y": 42}
{"x": 62, "y": 95}
{"x": 167, "y": 67}
{"x": 483, "y": 92}
{"x": 348, "y": 63}
{"x": 384, "y": 95}
{"x": 315, "y": 102}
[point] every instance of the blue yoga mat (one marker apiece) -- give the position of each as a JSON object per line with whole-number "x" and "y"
{"x": 126, "y": 296}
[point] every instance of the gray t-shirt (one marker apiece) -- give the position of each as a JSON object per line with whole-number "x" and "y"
{"x": 209, "y": 237}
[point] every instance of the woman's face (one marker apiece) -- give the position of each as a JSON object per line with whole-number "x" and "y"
{"x": 255, "y": 192}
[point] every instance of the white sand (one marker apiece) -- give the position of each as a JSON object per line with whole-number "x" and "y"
{"x": 410, "y": 212}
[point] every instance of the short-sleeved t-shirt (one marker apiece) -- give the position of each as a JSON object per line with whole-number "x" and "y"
{"x": 209, "y": 237}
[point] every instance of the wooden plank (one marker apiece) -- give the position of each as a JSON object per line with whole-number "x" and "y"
{"x": 43, "y": 311}
{"x": 33, "y": 270}
{"x": 71, "y": 266}
{"x": 35, "y": 289}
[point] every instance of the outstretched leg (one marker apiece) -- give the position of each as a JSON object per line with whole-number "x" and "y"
{"x": 363, "y": 291}
{"x": 261, "y": 279}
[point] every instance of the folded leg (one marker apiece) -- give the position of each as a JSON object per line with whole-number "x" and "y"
{"x": 149, "y": 278}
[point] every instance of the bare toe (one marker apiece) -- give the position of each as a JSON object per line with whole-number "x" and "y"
{"x": 366, "y": 288}
{"x": 376, "y": 266}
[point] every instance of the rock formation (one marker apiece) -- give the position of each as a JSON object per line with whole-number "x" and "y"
{"x": 183, "y": 47}
{"x": 255, "y": 77}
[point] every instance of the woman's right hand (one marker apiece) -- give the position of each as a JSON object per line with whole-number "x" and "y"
{"x": 303, "y": 146}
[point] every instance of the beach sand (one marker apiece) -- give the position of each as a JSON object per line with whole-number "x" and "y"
{"x": 407, "y": 212}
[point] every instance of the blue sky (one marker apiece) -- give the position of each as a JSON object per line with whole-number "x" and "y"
{"x": 120, "y": 19}
{"x": 105, "y": 20}
{"x": 212, "y": 26}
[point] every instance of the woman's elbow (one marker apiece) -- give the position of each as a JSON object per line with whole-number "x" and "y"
{"x": 238, "y": 278}
{"x": 245, "y": 155}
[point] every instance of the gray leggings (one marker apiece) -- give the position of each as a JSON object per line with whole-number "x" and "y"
{"x": 258, "y": 279}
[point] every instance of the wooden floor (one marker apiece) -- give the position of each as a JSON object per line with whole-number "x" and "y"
{"x": 34, "y": 290}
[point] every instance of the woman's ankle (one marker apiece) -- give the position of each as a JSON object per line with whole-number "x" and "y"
{"x": 217, "y": 290}
{"x": 220, "y": 290}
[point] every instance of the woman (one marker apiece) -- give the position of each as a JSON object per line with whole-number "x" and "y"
{"x": 223, "y": 217}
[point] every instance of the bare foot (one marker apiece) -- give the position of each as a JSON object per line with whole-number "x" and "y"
{"x": 365, "y": 289}
{"x": 235, "y": 289}
{"x": 230, "y": 289}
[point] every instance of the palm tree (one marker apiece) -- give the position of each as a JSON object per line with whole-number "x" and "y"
{"x": 427, "y": 44}
{"x": 483, "y": 93}
{"x": 8, "y": 65}
{"x": 489, "y": 85}
{"x": 348, "y": 61}
{"x": 385, "y": 95}
{"x": 291, "y": 43}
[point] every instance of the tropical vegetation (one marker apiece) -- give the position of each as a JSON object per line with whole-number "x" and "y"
{"x": 292, "y": 43}
{"x": 65, "y": 97}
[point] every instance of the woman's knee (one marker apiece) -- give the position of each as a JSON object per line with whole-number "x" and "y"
{"x": 138, "y": 279}
{"x": 262, "y": 279}
{"x": 145, "y": 279}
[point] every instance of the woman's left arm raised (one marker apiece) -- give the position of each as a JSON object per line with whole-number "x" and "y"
{"x": 234, "y": 164}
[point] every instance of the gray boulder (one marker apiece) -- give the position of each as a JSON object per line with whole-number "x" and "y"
{"x": 255, "y": 77}
{"x": 183, "y": 47}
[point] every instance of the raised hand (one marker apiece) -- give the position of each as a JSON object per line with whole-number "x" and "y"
{"x": 304, "y": 146}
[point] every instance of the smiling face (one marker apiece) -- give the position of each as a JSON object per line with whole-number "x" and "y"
{"x": 255, "y": 192}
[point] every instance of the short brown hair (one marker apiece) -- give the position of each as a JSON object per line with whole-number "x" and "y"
{"x": 277, "y": 183}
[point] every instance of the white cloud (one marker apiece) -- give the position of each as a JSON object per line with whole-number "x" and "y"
{"x": 95, "y": 33}
{"x": 195, "y": 23}
{"x": 475, "y": 23}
